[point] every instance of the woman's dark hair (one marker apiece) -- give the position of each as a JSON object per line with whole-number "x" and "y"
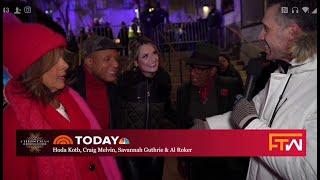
{"x": 32, "y": 78}
{"x": 226, "y": 56}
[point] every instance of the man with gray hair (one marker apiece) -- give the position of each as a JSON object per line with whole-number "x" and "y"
{"x": 289, "y": 100}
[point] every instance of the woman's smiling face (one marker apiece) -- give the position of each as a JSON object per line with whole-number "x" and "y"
{"x": 148, "y": 59}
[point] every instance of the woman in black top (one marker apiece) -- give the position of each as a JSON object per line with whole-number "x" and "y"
{"x": 145, "y": 94}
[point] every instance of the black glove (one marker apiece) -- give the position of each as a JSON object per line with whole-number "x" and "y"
{"x": 243, "y": 113}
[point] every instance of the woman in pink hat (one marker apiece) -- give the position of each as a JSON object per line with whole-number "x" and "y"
{"x": 39, "y": 98}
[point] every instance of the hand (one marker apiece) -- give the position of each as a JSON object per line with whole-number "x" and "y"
{"x": 243, "y": 113}
{"x": 200, "y": 124}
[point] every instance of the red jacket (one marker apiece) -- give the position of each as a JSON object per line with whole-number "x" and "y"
{"x": 23, "y": 112}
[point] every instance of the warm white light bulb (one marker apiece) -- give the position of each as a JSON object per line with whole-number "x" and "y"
{"x": 205, "y": 10}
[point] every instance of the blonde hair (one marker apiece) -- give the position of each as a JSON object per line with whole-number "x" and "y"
{"x": 305, "y": 46}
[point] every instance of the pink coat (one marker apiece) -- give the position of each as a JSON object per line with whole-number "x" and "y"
{"x": 25, "y": 113}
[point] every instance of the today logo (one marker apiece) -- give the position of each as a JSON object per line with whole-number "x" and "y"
{"x": 90, "y": 140}
{"x": 63, "y": 139}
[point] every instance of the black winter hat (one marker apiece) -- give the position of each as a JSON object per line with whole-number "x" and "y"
{"x": 205, "y": 54}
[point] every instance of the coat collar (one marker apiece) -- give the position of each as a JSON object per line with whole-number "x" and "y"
{"x": 299, "y": 67}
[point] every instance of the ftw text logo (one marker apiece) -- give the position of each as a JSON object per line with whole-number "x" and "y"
{"x": 285, "y": 141}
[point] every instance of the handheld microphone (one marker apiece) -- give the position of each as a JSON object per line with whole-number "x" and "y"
{"x": 253, "y": 69}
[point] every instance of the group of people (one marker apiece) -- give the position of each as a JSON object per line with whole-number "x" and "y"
{"x": 40, "y": 96}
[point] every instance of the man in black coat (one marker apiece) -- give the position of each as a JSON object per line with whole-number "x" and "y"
{"x": 123, "y": 35}
{"x": 96, "y": 78}
{"x": 207, "y": 94}
{"x": 214, "y": 23}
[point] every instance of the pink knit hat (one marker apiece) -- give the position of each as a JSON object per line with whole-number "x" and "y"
{"x": 26, "y": 43}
